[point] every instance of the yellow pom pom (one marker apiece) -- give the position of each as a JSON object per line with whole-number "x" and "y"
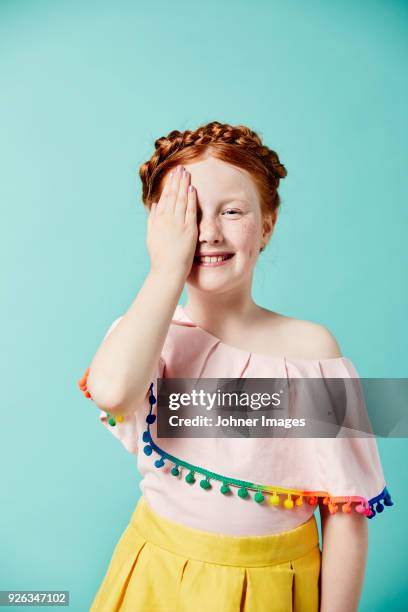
{"x": 288, "y": 503}
{"x": 274, "y": 500}
{"x": 299, "y": 501}
{"x": 119, "y": 418}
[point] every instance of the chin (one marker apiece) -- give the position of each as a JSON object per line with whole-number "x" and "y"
{"x": 208, "y": 284}
{"x": 207, "y": 287}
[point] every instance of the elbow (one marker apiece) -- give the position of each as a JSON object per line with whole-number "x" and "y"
{"x": 116, "y": 404}
{"x": 108, "y": 403}
{"x": 104, "y": 396}
{"x": 108, "y": 397}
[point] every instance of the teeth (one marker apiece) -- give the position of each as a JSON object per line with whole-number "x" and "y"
{"x": 212, "y": 259}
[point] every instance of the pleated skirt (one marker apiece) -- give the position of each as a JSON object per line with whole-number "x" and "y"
{"x": 161, "y": 566}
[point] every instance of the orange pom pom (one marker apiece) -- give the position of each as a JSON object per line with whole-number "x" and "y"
{"x": 83, "y": 383}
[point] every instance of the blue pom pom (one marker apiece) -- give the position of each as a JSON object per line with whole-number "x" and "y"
{"x": 159, "y": 462}
{"x": 379, "y": 507}
{"x": 150, "y": 418}
{"x": 146, "y": 436}
{"x": 152, "y": 400}
{"x": 388, "y": 501}
{"x": 147, "y": 449}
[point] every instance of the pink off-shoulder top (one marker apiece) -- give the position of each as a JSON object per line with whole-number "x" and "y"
{"x": 254, "y": 486}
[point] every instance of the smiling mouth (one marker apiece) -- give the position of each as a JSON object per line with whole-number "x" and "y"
{"x": 211, "y": 262}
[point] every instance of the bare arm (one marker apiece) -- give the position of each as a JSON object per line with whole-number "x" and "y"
{"x": 344, "y": 556}
{"x": 344, "y": 535}
{"x": 122, "y": 367}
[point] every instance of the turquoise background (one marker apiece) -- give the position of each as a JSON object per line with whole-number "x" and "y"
{"x": 86, "y": 89}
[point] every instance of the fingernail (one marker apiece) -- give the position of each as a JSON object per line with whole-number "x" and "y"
{"x": 179, "y": 168}
{"x": 190, "y": 188}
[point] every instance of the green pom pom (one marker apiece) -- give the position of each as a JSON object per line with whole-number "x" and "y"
{"x": 112, "y": 421}
{"x": 259, "y": 497}
{"x": 242, "y": 492}
{"x": 175, "y": 471}
{"x": 225, "y": 488}
{"x": 190, "y": 477}
{"x": 205, "y": 484}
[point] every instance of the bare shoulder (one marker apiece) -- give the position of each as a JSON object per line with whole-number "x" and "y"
{"x": 315, "y": 341}
{"x": 302, "y": 339}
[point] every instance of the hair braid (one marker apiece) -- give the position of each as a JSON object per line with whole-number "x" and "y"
{"x": 238, "y": 145}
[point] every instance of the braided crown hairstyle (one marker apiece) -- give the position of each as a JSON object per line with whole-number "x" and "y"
{"x": 237, "y": 145}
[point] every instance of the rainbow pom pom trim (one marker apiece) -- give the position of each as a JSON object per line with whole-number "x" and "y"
{"x": 263, "y": 493}
{"x": 361, "y": 505}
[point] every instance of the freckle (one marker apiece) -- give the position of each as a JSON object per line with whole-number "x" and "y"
{"x": 247, "y": 227}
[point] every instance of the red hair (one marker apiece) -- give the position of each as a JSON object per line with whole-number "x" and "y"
{"x": 236, "y": 145}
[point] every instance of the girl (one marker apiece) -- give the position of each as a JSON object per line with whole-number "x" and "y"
{"x": 225, "y": 524}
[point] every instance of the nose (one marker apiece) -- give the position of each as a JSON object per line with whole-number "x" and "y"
{"x": 209, "y": 231}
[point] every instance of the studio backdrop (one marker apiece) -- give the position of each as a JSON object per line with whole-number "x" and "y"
{"x": 86, "y": 88}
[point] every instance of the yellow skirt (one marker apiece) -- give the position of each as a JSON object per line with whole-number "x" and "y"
{"x": 161, "y": 566}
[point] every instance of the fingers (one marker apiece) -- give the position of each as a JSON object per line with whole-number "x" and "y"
{"x": 168, "y": 185}
{"x": 169, "y": 194}
{"x": 191, "y": 210}
{"x": 181, "y": 199}
{"x": 166, "y": 194}
{"x": 176, "y": 198}
{"x": 185, "y": 204}
{"x": 177, "y": 184}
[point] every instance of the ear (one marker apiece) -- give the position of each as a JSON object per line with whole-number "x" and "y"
{"x": 268, "y": 225}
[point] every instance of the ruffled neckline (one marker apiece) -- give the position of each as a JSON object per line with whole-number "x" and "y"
{"x": 180, "y": 317}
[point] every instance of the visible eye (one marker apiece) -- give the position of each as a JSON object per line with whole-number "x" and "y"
{"x": 236, "y": 212}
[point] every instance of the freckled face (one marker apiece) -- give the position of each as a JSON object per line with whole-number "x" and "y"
{"x": 229, "y": 220}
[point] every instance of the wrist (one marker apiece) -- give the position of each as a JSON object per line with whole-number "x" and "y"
{"x": 173, "y": 279}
